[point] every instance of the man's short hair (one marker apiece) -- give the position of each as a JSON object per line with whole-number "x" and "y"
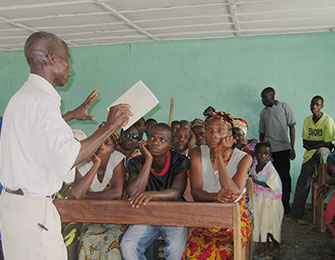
{"x": 39, "y": 44}
{"x": 318, "y": 98}
{"x": 150, "y": 120}
{"x": 268, "y": 90}
{"x": 165, "y": 127}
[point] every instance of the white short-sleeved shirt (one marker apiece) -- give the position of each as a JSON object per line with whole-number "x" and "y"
{"x": 38, "y": 147}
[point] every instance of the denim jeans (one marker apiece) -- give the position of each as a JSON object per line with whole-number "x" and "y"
{"x": 139, "y": 237}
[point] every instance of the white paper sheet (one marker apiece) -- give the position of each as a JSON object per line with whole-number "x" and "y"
{"x": 141, "y": 100}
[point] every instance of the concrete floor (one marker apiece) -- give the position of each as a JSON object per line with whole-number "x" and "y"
{"x": 303, "y": 242}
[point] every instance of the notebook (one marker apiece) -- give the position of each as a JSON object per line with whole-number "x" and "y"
{"x": 141, "y": 100}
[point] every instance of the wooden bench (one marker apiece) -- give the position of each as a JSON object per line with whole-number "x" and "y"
{"x": 188, "y": 214}
{"x": 318, "y": 204}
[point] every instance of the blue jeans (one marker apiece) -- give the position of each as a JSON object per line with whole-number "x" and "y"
{"x": 139, "y": 237}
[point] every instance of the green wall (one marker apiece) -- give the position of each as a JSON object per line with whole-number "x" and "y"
{"x": 228, "y": 74}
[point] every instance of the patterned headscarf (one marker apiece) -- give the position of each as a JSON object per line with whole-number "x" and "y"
{"x": 226, "y": 117}
{"x": 241, "y": 124}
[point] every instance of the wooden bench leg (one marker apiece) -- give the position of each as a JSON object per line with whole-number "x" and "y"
{"x": 314, "y": 197}
{"x": 320, "y": 222}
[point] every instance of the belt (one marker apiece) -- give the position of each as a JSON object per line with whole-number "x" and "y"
{"x": 20, "y": 192}
{"x": 17, "y": 192}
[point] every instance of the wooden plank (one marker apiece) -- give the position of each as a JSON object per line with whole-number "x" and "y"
{"x": 167, "y": 213}
{"x": 237, "y": 234}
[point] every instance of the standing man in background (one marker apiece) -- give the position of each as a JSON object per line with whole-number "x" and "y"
{"x": 41, "y": 151}
{"x": 274, "y": 121}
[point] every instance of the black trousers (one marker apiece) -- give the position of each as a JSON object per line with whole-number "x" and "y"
{"x": 281, "y": 161}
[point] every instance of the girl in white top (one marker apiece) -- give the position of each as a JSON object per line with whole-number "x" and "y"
{"x": 268, "y": 206}
{"x": 101, "y": 178}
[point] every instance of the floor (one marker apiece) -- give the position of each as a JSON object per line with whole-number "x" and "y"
{"x": 303, "y": 242}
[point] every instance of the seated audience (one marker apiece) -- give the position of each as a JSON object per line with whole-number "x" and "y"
{"x": 101, "y": 178}
{"x": 129, "y": 141}
{"x": 218, "y": 174}
{"x": 198, "y": 128}
{"x": 158, "y": 174}
{"x": 268, "y": 208}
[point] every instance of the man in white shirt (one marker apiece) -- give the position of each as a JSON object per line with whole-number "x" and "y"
{"x": 40, "y": 152}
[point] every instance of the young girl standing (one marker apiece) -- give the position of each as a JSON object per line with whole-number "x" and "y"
{"x": 268, "y": 207}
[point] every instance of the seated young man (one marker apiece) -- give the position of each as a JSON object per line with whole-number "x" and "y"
{"x": 158, "y": 174}
{"x": 318, "y": 133}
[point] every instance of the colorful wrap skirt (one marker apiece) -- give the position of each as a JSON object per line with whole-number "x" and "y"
{"x": 216, "y": 243}
{"x": 101, "y": 242}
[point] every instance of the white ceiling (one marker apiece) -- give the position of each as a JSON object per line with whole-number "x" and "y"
{"x": 104, "y": 22}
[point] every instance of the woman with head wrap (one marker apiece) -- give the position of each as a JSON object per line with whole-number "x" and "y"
{"x": 218, "y": 174}
{"x": 198, "y": 128}
{"x": 240, "y": 131}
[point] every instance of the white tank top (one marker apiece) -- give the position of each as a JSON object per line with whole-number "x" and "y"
{"x": 114, "y": 159}
{"x": 210, "y": 179}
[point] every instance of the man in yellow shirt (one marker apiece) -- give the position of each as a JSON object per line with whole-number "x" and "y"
{"x": 318, "y": 134}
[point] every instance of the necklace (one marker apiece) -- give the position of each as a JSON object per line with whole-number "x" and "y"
{"x": 225, "y": 162}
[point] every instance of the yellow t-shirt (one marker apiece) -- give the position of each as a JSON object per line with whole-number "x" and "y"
{"x": 322, "y": 130}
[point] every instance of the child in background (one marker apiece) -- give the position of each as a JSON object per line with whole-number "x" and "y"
{"x": 268, "y": 208}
